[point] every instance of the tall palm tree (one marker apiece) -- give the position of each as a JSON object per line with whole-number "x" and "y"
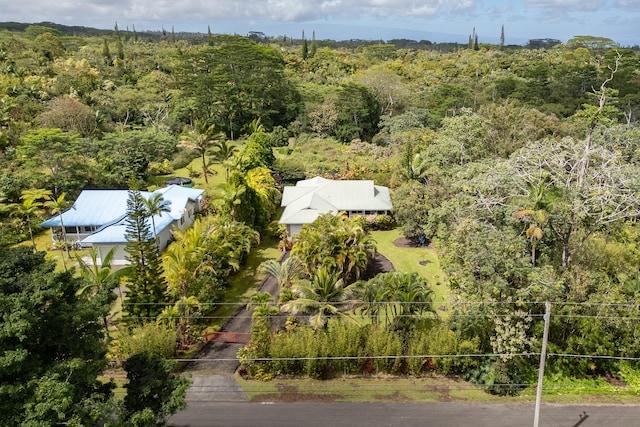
{"x": 200, "y": 138}
{"x": 156, "y": 205}
{"x": 323, "y": 297}
{"x": 224, "y": 152}
{"x": 58, "y": 206}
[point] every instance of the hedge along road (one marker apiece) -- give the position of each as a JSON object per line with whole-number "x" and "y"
{"x": 388, "y": 414}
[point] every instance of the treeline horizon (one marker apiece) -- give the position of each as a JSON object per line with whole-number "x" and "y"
{"x": 283, "y": 39}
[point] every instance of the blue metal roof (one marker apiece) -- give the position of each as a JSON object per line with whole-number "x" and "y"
{"x": 115, "y": 233}
{"x": 93, "y": 208}
{"x": 108, "y": 209}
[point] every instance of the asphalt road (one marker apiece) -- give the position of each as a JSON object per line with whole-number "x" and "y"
{"x": 311, "y": 414}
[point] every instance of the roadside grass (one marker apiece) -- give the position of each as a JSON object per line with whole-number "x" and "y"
{"x": 421, "y": 260}
{"x": 423, "y": 389}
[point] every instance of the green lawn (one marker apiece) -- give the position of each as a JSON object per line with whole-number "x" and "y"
{"x": 216, "y": 177}
{"x": 421, "y": 260}
{"x": 42, "y": 238}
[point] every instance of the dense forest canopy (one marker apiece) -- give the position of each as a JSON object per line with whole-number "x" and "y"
{"x": 519, "y": 163}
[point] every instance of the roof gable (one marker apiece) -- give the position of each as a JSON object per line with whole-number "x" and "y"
{"x": 95, "y": 208}
{"x": 310, "y": 198}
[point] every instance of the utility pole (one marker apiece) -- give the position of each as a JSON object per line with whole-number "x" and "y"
{"x": 543, "y": 356}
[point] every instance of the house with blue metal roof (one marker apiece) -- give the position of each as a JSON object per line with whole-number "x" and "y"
{"x": 98, "y": 218}
{"x": 310, "y": 198}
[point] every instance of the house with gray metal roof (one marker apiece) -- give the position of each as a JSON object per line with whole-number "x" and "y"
{"x": 98, "y": 218}
{"x": 308, "y": 199}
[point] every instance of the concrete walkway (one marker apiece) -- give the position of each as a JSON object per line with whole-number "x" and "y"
{"x": 215, "y": 388}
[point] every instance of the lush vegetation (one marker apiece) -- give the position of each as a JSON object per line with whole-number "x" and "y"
{"x": 518, "y": 164}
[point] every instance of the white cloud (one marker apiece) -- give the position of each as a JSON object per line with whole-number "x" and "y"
{"x": 275, "y": 10}
{"x": 567, "y": 5}
{"x": 632, "y": 5}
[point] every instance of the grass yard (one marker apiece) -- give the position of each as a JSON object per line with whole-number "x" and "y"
{"x": 421, "y": 260}
{"x": 43, "y": 243}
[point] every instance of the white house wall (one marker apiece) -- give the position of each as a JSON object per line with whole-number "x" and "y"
{"x": 120, "y": 256}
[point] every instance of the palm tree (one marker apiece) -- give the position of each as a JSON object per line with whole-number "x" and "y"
{"x": 180, "y": 315}
{"x": 255, "y": 126}
{"x": 322, "y": 297}
{"x": 200, "y": 138}
{"x": 336, "y": 242}
{"x": 403, "y": 299}
{"x": 223, "y": 154}
{"x": 373, "y": 296}
{"x": 261, "y": 304}
{"x": 57, "y": 206}
{"x": 101, "y": 277}
{"x": 30, "y": 208}
{"x": 284, "y": 272}
{"x": 538, "y": 219}
{"x": 229, "y": 197}
{"x": 156, "y": 205}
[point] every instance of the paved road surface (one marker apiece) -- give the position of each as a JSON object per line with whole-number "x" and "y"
{"x": 305, "y": 414}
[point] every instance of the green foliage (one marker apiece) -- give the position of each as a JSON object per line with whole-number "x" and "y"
{"x": 411, "y": 205}
{"x": 57, "y": 151}
{"x": 149, "y": 338}
{"x": 147, "y": 286}
{"x": 129, "y": 154}
{"x": 153, "y": 391}
{"x": 279, "y": 136}
{"x": 358, "y": 113}
{"x": 379, "y": 222}
{"x": 322, "y": 297}
{"x": 202, "y": 257}
{"x": 257, "y": 152}
{"x": 336, "y": 243}
{"x": 52, "y": 343}
{"x": 398, "y": 301}
{"x": 348, "y": 348}
{"x": 226, "y": 81}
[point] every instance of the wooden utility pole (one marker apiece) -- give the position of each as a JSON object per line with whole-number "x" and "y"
{"x": 543, "y": 356}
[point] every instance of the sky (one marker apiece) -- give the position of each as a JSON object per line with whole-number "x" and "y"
{"x": 434, "y": 20}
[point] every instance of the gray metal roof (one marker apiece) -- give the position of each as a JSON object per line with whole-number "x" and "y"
{"x": 312, "y": 197}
